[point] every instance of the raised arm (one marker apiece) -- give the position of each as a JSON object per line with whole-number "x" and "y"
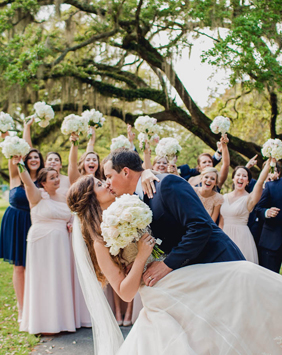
{"x": 91, "y": 142}
{"x": 255, "y": 195}
{"x": 130, "y": 136}
{"x": 26, "y": 131}
{"x": 147, "y": 157}
{"x": 73, "y": 171}
{"x": 126, "y": 286}
{"x": 225, "y": 161}
{"x": 32, "y": 192}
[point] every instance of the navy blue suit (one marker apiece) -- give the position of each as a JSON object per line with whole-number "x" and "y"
{"x": 188, "y": 233}
{"x": 270, "y": 243}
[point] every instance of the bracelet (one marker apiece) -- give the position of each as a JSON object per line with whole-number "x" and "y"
{"x": 218, "y": 152}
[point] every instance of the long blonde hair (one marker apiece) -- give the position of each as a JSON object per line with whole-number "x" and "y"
{"x": 83, "y": 201}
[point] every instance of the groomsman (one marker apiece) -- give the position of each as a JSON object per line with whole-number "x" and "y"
{"x": 269, "y": 210}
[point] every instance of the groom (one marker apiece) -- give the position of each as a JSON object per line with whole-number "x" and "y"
{"x": 188, "y": 234}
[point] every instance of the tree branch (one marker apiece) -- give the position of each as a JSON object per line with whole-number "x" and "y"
{"x": 84, "y": 44}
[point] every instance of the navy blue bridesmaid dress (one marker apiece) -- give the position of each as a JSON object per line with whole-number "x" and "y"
{"x": 14, "y": 228}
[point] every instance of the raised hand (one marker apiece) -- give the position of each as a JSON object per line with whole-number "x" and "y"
{"x": 16, "y": 159}
{"x": 252, "y": 162}
{"x": 28, "y": 121}
{"x": 130, "y": 134}
{"x": 147, "y": 182}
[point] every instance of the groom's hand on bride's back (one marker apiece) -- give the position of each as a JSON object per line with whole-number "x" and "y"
{"x": 155, "y": 272}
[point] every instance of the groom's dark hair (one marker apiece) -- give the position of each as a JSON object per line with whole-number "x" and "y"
{"x": 122, "y": 158}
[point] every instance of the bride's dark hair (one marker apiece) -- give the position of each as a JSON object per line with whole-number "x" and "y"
{"x": 83, "y": 201}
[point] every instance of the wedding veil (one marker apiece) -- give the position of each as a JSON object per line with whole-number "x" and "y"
{"x": 107, "y": 336}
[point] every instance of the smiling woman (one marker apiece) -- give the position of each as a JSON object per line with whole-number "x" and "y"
{"x": 89, "y": 162}
{"x": 207, "y": 193}
{"x": 237, "y": 206}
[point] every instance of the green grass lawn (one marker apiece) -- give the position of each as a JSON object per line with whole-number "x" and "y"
{"x": 11, "y": 340}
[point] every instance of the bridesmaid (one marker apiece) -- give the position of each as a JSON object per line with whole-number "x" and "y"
{"x": 205, "y": 160}
{"x": 237, "y": 205}
{"x": 48, "y": 295}
{"x": 89, "y": 162}
{"x": 16, "y": 223}
{"x": 207, "y": 193}
{"x": 53, "y": 159}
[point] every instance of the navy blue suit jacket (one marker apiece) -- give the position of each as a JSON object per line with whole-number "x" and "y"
{"x": 188, "y": 233}
{"x": 271, "y": 235}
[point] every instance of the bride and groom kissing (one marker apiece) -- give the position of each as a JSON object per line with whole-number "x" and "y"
{"x": 201, "y": 296}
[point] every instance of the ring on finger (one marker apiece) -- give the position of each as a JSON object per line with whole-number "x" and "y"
{"x": 150, "y": 278}
{"x": 151, "y": 180}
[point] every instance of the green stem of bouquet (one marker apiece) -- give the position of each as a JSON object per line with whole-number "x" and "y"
{"x": 157, "y": 252}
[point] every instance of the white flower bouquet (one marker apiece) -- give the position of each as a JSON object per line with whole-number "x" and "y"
{"x": 125, "y": 222}
{"x": 44, "y": 113}
{"x": 74, "y": 124}
{"x": 168, "y": 147}
{"x": 120, "y": 142}
{"x": 6, "y": 122}
{"x": 142, "y": 137}
{"x": 94, "y": 119}
{"x": 272, "y": 148}
{"x": 148, "y": 126}
{"x": 220, "y": 124}
{"x": 12, "y": 146}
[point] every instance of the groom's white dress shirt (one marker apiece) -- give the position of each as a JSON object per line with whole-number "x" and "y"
{"x": 139, "y": 190}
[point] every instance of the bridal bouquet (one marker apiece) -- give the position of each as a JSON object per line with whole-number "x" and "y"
{"x": 142, "y": 137}
{"x": 94, "y": 119}
{"x": 44, "y": 113}
{"x": 74, "y": 124}
{"x": 6, "y": 122}
{"x": 272, "y": 148}
{"x": 168, "y": 147}
{"x": 120, "y": 142}
{"x": 12, "y": 146}
{"x": 124, "y": 222}
{"x": 220, "y": 124}
{"x": 148, "y": 126}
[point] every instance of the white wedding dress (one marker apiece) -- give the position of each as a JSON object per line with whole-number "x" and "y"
{"x": 225, "y": 308}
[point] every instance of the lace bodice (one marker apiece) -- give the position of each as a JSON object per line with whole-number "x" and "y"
{"x": 210, "y": 202}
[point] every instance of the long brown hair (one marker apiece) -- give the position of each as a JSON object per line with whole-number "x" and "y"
{"x": 81, "y": 167}
{"x": 82, "y": 200}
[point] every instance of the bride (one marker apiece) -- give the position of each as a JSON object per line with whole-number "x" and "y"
{"x": 204, "y": 309}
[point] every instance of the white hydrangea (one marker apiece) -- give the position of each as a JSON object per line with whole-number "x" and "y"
{"x": 44, "y": 113}
{"x": 148, "y": 126}
{"x": 94, "y": 118}
{"x": 220, "y": 124}
{"x": 122, "y": 220}
{"x": 12, "y": 146}
{"x": 6, "y": 122}
{"x": 168, "y": 147}
{"x": 74, "y": 123}
{"x": 272, "y": 148}
{"x": 120, "y": 142}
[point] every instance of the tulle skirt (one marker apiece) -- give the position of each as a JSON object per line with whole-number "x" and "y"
{"x": 210, "y": 309}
